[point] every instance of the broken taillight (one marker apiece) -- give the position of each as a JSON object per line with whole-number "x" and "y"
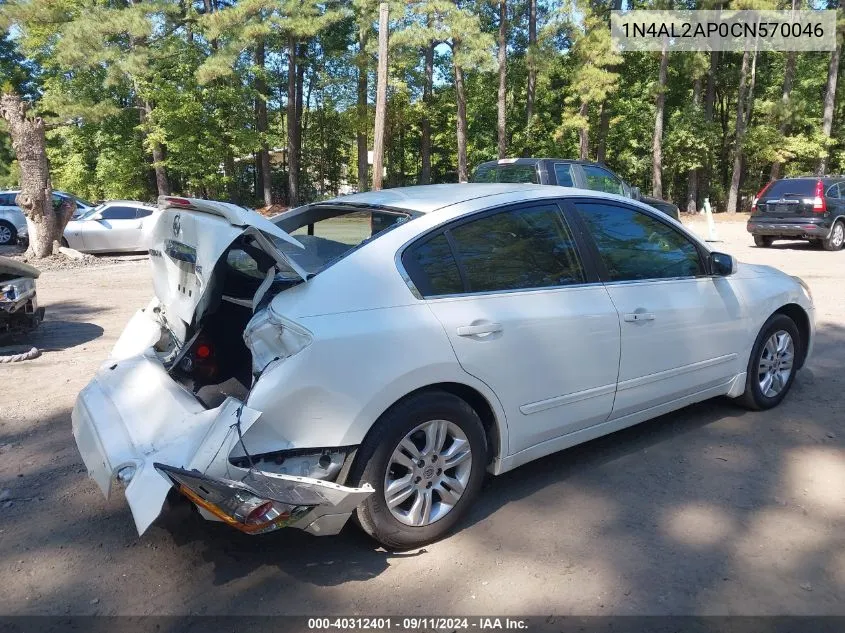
{"x": 819, "y": 203}
{"x": 254, "y": 505}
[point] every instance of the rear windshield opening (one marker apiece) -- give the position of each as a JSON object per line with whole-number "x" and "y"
{"x": 506, "y": 173}
{"x": 328, "y": 233}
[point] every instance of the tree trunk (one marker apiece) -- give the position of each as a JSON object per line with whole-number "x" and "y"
{"x": 692, "y": 177}
{"x": 381, "y": 98}
{"x": 425, "y": 123}
{"x": 162, "y": 182}
{"x": 532, "y": 66}
{"x": 36, "y": 195}
{"x": 461, "y": 98}
{"x": 501, "y": 120}
{"x": 783, "y": 128}
{"x": 657, "y": 142}
{"x": 709, "y": 102}
{"x": 788, "y": 79}
{"x": 301, "y": 57}
{"x": 829, "y": 102}
{"x": 261, "y": 126}
{"x": 293, "y": 159}
{"x": 604, "y": 126}
{"x": 363, "y": 118}
{"x": 733, "y": 191}
{"x": 584, "y": 132}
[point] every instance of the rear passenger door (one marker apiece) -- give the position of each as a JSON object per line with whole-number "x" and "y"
{"x": 526, "y": 315}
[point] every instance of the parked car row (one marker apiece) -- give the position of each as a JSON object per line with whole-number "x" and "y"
{"x": 114, "y": 226}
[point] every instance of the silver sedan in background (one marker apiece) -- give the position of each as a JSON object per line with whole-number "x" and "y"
{"x": 118, "y": 225}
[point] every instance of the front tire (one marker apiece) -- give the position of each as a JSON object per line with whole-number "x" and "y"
{"x": 836, "y": 238}
{"x": 773, "y": 363}
{"x": 763, "y": 241}
{"x": 8, "y": 234}
{"x": 426, "y": 458}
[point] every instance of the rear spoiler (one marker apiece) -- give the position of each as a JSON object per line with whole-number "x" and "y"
{"x": 232, "y": 213}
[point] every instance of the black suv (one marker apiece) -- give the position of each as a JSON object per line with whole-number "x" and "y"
{"x": 805, "y": 208}
{"x": 566, "y": 173}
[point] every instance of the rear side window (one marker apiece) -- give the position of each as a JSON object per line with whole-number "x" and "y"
{"x": 119, "y": 213}
{"x": 435, "y": 267}
{"x": 7, "y": 199}
{"x": 563, "y": 175}
{"x": 833, "y": 191}
{"x": 633, "y": 245}
{"x": 144, "y": 213}
{"x": 506, "y": 173}
{"x": 519, "y": 249}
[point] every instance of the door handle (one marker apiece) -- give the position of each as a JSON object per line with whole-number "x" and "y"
{"x": 481, "y": 328}
{"x": 635, "y": 317}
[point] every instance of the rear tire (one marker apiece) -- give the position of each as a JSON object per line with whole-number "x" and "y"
{"x": 8, "y": 233}
{"x": 778, "y": 344}
{"x": 381, "y": 463}
{"x": 836, "y": 238}
{"x": 763, "y": 241}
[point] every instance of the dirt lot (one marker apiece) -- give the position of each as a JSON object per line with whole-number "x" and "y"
{"x": 710, "y": 510}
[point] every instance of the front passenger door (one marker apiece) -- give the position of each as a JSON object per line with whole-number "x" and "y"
{"x": 118, "y": 229}
{"x": 681, "y": 328}
{"x": 525, "y": 316}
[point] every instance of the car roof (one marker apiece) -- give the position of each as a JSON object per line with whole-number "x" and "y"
{"x": 427, "y": 198}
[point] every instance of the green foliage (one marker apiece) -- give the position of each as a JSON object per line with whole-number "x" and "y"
{"x": 116, "y": 79}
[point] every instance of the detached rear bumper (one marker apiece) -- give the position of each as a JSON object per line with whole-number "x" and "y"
{"x": 804, "y": 229}
{"x": 133, "y": 417}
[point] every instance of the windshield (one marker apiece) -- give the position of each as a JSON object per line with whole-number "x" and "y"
{"x": 799, "y": 187}
{"x": 506, "y": 173}
{"x": 328, "y": 233}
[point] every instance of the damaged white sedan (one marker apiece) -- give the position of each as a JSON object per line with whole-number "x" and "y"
{"x": 379, "y": 353}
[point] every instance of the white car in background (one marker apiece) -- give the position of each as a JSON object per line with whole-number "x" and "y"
{"x": 115, "y": 226}
{"x": 13, "y": 222}
{"x": 379, "y": 353}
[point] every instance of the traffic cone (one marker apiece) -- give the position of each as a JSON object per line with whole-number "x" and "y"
{"x": 712, "y": 236}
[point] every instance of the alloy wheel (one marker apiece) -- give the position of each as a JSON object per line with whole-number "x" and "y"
{"x": 5, "y": 235}
{"x": 427, "y": 473}
{"x": 838, "y": 236}
{"x": 775, "y": 366}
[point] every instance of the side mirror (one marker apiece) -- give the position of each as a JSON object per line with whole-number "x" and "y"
{"x": 722, "y": 265}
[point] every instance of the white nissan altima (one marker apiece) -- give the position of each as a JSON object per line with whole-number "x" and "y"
{"x": 379, "y": 353}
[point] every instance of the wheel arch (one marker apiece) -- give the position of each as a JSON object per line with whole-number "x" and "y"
{"x": 495, "y": 434}
{"x": 802, "y": 321}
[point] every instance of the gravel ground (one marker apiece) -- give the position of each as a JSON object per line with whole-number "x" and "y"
{"x": 709, "y": 510}
{"x": 61, "y": 262}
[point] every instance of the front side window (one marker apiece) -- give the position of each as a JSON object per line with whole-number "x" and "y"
{"x": 633, "y": 245}
{"x": 563, "y": 175}
{"x": 599, "y": 179}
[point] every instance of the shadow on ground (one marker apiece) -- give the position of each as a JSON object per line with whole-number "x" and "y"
{"x": 708, "y": 509}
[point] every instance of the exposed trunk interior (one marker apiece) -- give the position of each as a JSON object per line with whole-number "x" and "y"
{"x": 215, "y": 362}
